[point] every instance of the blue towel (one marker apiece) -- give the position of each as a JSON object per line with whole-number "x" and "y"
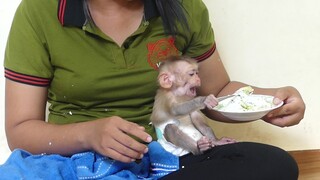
{"x": 88, "y": 165}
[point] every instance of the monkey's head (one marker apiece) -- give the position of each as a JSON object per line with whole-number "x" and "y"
{"x": 180, "y": 76}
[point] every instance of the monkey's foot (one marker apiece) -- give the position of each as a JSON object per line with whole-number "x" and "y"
{"x": 222, "y": 141}
{"x": 204, "y": 144}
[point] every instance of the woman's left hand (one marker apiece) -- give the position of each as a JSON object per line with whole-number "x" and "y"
{"x": 292, "y": 111}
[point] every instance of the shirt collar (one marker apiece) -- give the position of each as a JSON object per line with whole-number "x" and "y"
{"x": 71, "y": 13}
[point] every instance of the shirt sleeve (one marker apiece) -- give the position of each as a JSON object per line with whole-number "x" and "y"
{"x": 26, "y": 57}
{"x": 202, "y": 43}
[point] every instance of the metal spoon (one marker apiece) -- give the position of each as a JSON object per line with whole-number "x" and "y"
{"x": 226, "y": 97}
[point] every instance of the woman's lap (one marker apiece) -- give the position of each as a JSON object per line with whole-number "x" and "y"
{"x": 245, "y": 160}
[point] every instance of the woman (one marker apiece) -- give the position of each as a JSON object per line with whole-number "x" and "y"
{"x": 95, "y": 61}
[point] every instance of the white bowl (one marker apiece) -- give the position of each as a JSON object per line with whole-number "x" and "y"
{"x": 260, "y": 105}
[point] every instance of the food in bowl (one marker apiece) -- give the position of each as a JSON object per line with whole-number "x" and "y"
{"x": 244, "y": 105}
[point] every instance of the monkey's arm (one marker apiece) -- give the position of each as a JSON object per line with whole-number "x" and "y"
{"x": 177, "y": 137}
{"x": 188, "y": 106}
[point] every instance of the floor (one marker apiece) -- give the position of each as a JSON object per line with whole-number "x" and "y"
{"x": 309, "y": 164}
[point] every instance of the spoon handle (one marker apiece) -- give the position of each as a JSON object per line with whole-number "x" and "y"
{"x": 225, "y": 97}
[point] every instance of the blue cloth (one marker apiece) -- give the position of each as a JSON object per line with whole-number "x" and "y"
{"x": 88, "y": 165}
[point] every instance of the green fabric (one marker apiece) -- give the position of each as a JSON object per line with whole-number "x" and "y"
{"x": 91, "y": 76}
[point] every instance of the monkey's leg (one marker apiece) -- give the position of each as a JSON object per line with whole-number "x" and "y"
{"x": 177, "y": 137}
{"x": 200, "y": 123}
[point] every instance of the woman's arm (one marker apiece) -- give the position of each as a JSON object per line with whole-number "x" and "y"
{"x": 26, "y": 128}
{"x": 215, "y": 80}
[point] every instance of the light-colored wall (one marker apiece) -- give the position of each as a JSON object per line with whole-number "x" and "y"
{"x": 268, "y": 43}
{"x": 7, "y": 10}
{"x": 271, "y": 43}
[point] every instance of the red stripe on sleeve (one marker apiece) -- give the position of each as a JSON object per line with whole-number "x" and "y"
{"x": 62, "y": 7}
{"x": 206, "y": 54}
{"x": 26, "y": 79}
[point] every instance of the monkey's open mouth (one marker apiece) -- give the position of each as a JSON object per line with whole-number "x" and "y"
{"x": 193, "y": 91}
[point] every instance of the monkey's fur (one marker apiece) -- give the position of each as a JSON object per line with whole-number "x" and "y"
{"x": 176, "y": 112}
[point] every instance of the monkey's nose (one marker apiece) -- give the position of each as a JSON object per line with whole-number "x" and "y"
{"x": 198, "y": 81}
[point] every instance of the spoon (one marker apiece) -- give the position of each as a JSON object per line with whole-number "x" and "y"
{"x": 226, "y": 97}
{"x": 244, "y": 91}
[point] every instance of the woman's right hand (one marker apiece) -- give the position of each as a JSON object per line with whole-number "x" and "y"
{"x": 27, "y": 129}
{"x": 113, "y": 137}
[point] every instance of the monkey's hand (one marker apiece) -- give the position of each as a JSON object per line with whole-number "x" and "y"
{"x": 222, "y": 141}
{"x": 204, "y": 144}
{"x": 210, "y": 101}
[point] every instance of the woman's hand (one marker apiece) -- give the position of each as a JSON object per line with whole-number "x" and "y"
{"x": 291, "y": 113}
{"x": 113, "y": 137}
{"x": 26, "y": 129}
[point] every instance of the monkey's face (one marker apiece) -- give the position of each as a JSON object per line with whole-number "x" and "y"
{"x": 187, "y": 81}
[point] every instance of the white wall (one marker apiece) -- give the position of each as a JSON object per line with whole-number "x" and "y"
{"x": 268, "y": 43}
{"x": 271, "y": 43}
{"x": 7, "y": 10}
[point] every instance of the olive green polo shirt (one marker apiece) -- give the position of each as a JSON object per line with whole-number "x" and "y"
{"x": 87, "y": 74}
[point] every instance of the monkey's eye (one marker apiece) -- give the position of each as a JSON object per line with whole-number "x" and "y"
{"x": 193, "y": 73}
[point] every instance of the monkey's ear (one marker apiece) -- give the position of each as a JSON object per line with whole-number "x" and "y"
{"x": 165, "y": 80}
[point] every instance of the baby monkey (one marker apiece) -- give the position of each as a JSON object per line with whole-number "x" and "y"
{"x": 180, "y": 125}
